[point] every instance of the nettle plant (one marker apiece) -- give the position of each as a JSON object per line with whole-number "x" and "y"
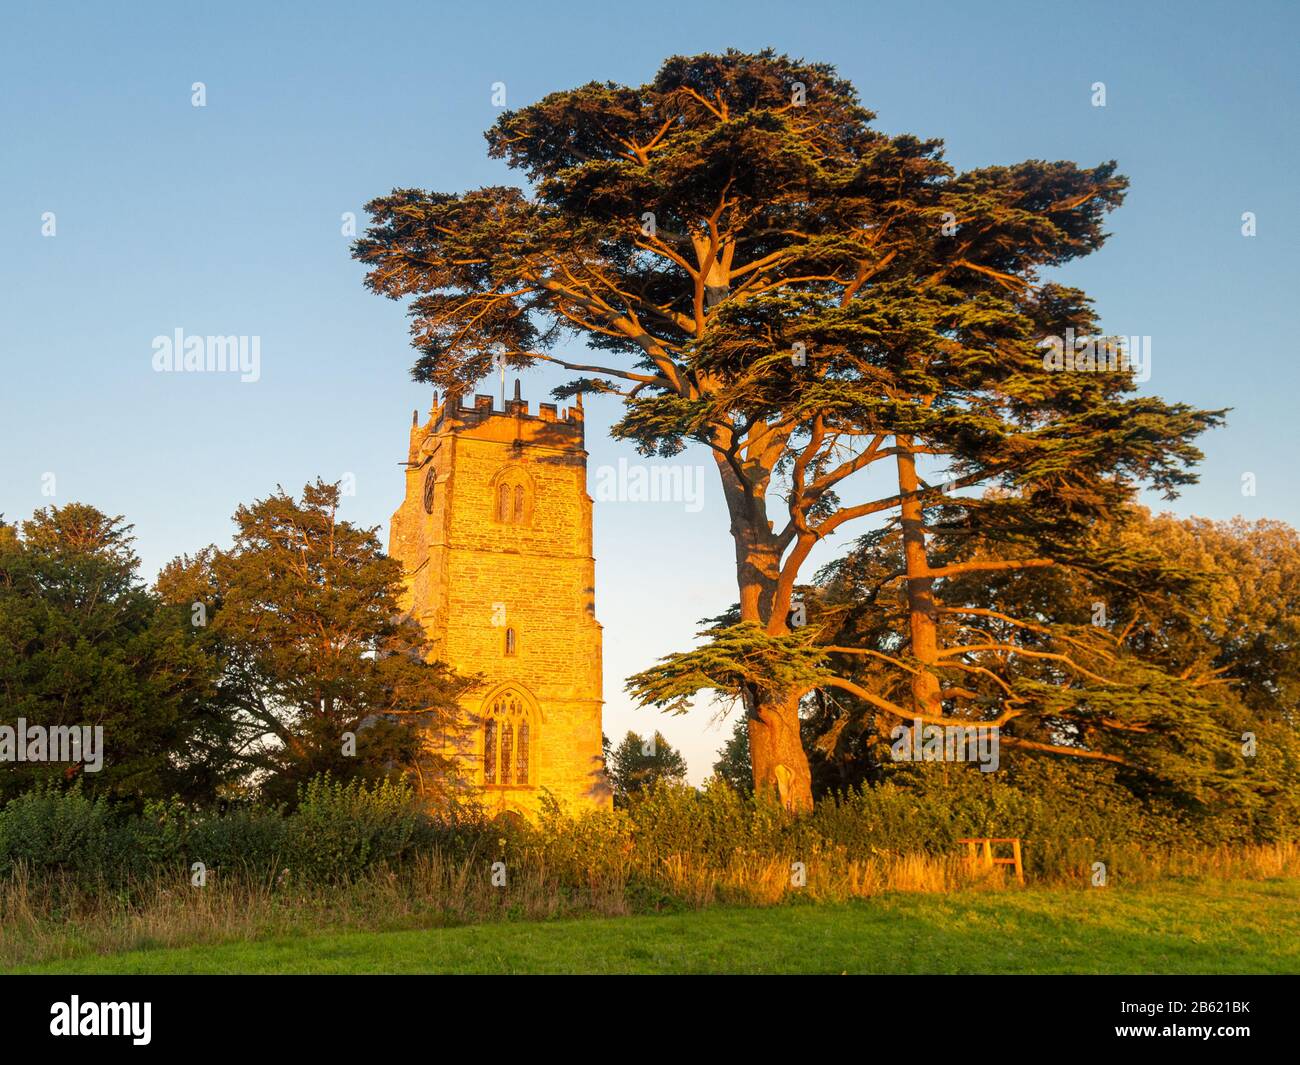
{"x": 753, "y": 268}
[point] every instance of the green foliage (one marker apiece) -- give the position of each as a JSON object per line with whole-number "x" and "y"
{"x": 735, "y": 657}
{"x": 1067, "y": 814}
{"x": 338, "y": 830}
{"x": 242, "y": 838}
{"x": 639, "y": 764}
{"x": 84, "y": 643}
{"x": 48, "y": 828}
{"x": 714, "y": 824}
{"x": 253, "y": 663}
{"x": 305, "y": 621}
{"x": 577, "y": 849}
{"x": 733, "y": 766}
{"x": 1162, "y": 654}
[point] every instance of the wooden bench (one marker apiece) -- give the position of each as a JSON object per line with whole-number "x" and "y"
{"x": 989, "y": 859}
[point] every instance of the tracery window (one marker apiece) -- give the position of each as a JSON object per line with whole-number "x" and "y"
{"x": 508, "y": 735}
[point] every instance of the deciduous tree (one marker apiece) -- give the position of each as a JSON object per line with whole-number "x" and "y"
{"x": 320, "y": 669}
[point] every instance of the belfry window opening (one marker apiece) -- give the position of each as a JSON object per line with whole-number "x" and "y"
{"x": 511, "y": 505}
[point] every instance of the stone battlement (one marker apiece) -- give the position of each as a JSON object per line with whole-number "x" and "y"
{"x": 454, "y": 409}
{"x": 554, "y": 427}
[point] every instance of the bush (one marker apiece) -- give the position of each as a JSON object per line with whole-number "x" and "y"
{"x": 1067, "y": 817}
{"x": 49, "y": 830}
{"x": 340, "y": 830}
{"x": 250, "y": 839}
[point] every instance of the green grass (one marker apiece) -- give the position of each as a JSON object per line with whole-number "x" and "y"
{"x": 1204, "y": 926}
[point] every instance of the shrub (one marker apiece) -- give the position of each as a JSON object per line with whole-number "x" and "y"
{"x": 251, "y": 839}
{"x": 672, "y": 842}
{"x": 51, "y": 830}
{"x": 340, "y": 830}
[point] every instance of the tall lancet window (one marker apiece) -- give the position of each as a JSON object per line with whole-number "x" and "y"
{"x": 490, "y": 752}
{"x": 521, "y": 754}
{"x": 507, "y": 752}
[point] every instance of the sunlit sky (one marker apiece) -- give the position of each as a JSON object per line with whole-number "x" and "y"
{"x": 226, "y": 219}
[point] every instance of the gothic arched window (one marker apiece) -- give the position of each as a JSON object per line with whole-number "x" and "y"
{"x": 508, "y": 732}
{"x": 511, "y": 644}
{"x": 512, "y": 497}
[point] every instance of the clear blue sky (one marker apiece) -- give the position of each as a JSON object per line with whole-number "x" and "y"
{"x": 226, "y": 220}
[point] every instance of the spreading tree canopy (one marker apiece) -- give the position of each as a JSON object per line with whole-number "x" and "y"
{"x": 1174, "y": 678}
{"x": 1047, "y": 653}
{"x": 760, "y": 271}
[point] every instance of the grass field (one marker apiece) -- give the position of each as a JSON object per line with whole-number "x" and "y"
{"x": 1203, "y": 926}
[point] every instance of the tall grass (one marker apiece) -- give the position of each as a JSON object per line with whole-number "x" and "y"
{"x": 77, "y": 876}
{"x": 47, "y": 917}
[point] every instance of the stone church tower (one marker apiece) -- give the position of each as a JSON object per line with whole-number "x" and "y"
{"x": 494, "y": 536}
